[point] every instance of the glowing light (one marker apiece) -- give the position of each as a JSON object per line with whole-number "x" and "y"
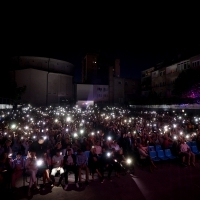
{"x": 45, "y": 137}
{"x": 175, "y": 137}
{"x": 75, "y": 135}
{"x": 68, "y": 119}
{"x": 128, "y": 161}
{"x": 13, "y": 126}
{"x": 109, "y": 138}
{"x": 39, "y": 162}
{"x": 108, "y": 154}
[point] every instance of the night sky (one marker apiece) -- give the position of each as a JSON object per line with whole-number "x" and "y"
{"x": 139, "y": 35}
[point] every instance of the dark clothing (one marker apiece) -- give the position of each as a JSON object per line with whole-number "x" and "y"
{"x": 128, "y": 146}
{"x": 70, "y": 167}
{"x": 93, "y": 162}
{"x": 40, "y": 149}
{"x": 106, "y": 164}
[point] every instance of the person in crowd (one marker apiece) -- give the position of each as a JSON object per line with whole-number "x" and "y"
{"x": 31, "y": 170}
{"x": 106, "y": 162}
{"x": 143, "y": 152}
{"x": 128, "y": 144}
{"x": 57, "y": 167}
{"x": 81, "y": 161}
{"x": 69, "y": 165}
{"x": 98, "y": 148}
{"x": 167, "y": 142}
{"x": 39, "y": 147}
{"x": 115, "y": 163}
{"x": 44, "y": 169}
{"x": 186, "y": 152}
{"x": 17, "y": 169}
{"x": 57, "y": 147}
{"x": 5, "y": 170}
{"x": 26, "y": 144}
{"x": 93, "y": 163}
{"x": 115, "y": 146}
{"x": 7, "y": 147}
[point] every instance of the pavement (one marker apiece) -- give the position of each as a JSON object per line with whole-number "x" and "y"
{"x": 170, "y": 181}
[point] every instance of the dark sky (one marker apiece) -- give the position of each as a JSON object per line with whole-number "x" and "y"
{"x": 139, "y": 35}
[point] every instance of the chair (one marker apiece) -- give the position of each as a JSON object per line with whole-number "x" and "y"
{"x": 195, "y": 150}
{"x": 151, "y": 148}
{"x": 26, "y": 176}
{"x": 189, "y": 143}
{"x": 154, "y": 156}
{"x": 168, "y": 154}
{"x": 158, "y": 147}
{"x": 193, "y": 143}
{"x": 162, "y": 155}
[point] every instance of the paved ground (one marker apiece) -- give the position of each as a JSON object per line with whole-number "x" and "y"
{"x": 169, "y": 181}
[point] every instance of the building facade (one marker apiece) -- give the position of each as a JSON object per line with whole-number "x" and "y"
{"x": 48, "y": 81}
{"x": 160, "y": 80}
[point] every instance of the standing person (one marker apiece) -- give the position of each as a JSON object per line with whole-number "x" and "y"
{"x": 128, "y": 145}
{"x": 17, "y": 166}
{"x": 106, "y": 162}
{"x": 143, "y": 152}
{"x": 186, "y": 151}
{"x": 5, "y": 170}
{"x": 39, "y": 147}
{"x": 31, "y": 169}
{"x": 69, "y": 164}
{"x": 26, "y": 144}
{"x": 81, "y": 161}
{"x": 93, "y": 163}
{"x": 7, "y": 147}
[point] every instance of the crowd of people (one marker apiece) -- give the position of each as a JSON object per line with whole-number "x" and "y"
{"x": 51, "y": 141}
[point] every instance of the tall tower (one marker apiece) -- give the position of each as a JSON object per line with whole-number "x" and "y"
{"x": 95, "y": 69}
{"x": 117, "y": 68}
{"x": 89, "y": 68}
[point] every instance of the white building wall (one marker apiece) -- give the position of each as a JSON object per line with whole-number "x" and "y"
{"x": 37, "y": 82}
{"x": 59, "y": 85}
{"x": 101, "y": 93}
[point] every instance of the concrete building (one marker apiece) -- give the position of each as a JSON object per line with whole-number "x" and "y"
{"x": 160, "y": 79}
{"x": 48, "y": 81}
{"x": 104, "y": 74}
{"x": 146, "y": 81}
{"x": 97, "y": 94}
